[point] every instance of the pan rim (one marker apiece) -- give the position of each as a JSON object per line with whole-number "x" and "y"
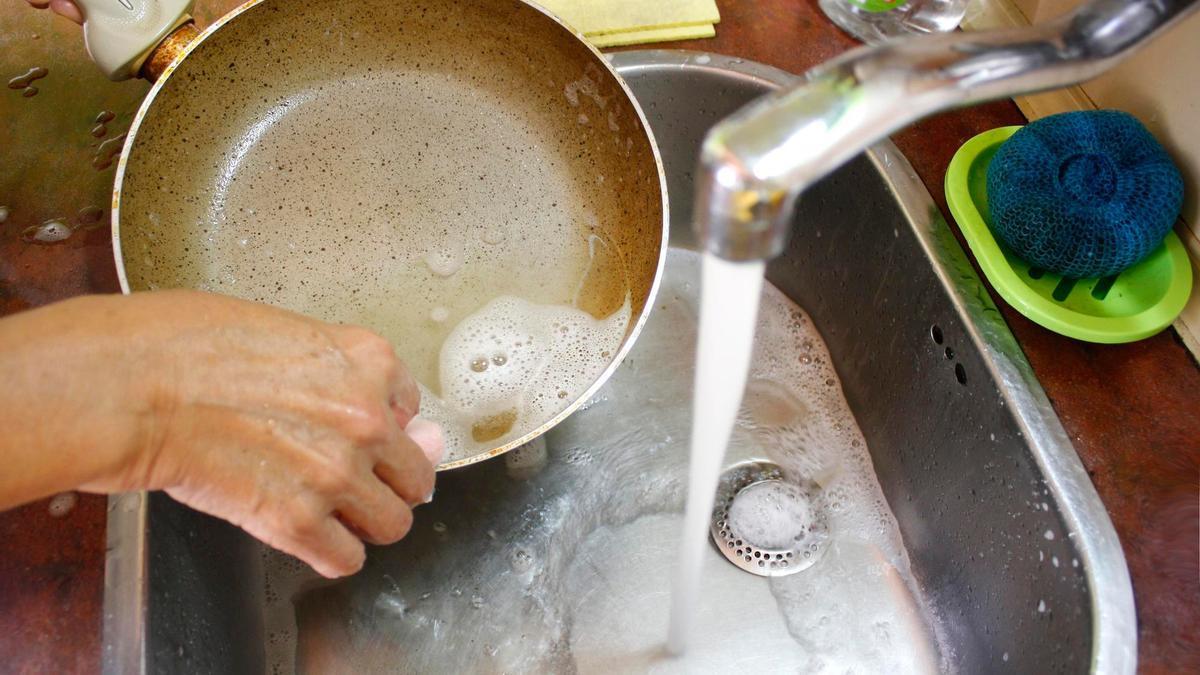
{"x": 602, "y": 61}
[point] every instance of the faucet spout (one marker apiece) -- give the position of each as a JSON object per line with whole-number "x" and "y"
{"x": 755, "y": 163}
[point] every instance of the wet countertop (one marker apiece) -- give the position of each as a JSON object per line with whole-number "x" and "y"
{"x": 1132, "y": 411}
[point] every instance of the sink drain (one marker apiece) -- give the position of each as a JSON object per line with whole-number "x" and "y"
{"x": 766, "y": 525}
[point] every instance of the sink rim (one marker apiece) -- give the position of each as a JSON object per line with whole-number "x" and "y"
{"x": 1114, "y": 627}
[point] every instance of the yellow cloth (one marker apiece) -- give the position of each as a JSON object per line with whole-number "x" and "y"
{"x": 641, "y": 37}
{"x": 609, "y": 23}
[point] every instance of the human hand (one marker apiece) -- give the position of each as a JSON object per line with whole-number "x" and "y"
{"x": 65, "y": 8}
{"x": 300, "y": 432}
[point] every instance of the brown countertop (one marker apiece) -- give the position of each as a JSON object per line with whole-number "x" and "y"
{"x": 1133, "y": 411}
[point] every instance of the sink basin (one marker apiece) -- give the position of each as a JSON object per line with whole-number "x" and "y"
{"x": 1014, "y": 562}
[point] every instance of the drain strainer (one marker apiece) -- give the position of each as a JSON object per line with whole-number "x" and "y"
{"x": 765, "y": 524}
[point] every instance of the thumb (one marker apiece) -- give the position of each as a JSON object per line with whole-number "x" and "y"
{"x": 68, "y": 9}
{"x": 65, "y": 8}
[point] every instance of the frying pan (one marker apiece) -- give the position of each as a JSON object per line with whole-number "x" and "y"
{"x": 392, "y": 163}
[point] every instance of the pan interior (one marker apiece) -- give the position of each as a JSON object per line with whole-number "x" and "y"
{"x": 401, "y": 165}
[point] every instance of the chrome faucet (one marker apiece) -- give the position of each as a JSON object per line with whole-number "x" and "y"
{"x": 755, "y": 163}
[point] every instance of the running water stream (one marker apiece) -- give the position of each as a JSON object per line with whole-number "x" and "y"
{"x": 729, "y": 293}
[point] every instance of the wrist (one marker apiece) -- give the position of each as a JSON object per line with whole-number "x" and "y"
{"x": 72, "y": 407}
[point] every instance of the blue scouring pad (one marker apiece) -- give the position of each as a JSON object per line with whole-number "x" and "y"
{"x": 1083, "y": 194}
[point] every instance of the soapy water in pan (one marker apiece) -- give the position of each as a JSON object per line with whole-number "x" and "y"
{"x": 514, "y": 364}
{"x": 567, "y": 566}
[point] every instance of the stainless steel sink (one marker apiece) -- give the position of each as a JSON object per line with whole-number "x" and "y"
{"x": 1017, "y": 563}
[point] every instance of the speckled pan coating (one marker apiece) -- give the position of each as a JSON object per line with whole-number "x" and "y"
{"x": 315, "y": 154}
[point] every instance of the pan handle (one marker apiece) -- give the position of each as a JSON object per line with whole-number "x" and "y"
{"x": 120, "y": 34}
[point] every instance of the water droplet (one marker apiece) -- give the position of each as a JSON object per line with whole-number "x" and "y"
{"x": 521, "y": 560}
{"x": 439, "y": 314}
{"x": 49, "y": 232}
{"x": 61, "y": 504}
{"x": 562, "y": 393}
{"x": 25, "y": 82}
{"x": 90, "y": 217}
{"x": 499, "y": 359}
{"x": 479, "y": 364}
{"x": 107, "y": 151}
{"x": 443, "y": 263}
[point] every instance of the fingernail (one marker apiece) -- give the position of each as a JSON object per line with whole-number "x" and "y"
{"x": 429, "y": 497}
{"x": 428, "y": 435}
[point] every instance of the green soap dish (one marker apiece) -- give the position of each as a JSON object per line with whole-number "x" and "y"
{"x": 1129, "y": 306}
